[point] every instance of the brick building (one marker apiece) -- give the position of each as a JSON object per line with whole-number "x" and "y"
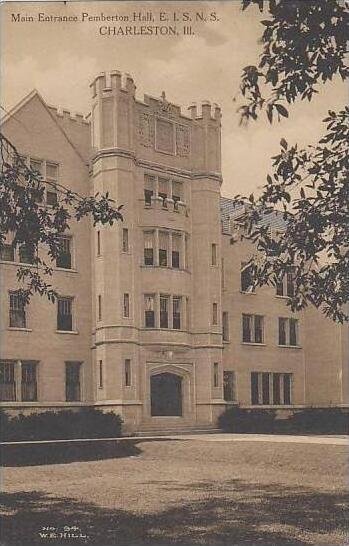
{"x": 155, "y": 319}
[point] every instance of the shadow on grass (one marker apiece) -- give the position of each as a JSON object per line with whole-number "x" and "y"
{"x": 61, "y": 452}
{"x": 30, "y": 454}
{"x": 271, "y": 515}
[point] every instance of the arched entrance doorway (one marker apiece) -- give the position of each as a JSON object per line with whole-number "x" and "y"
{"x": 166, "y": 395}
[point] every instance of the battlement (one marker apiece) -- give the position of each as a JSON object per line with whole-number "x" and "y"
{"x": 114, "y": 80}
{"x": 205, "y": 111}
{"x": 68, "y": 114}
{"x": 107, "y": 83}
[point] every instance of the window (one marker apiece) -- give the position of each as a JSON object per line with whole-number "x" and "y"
{"x": 246, "y": 278}
{"x": 64, "y": 259}
{"x": 29, "y": 382}
{"x": 64, "y": 314}
{"x": 214, "y": 314}
{"x": 268, "y": 388}
{"x": 100, "y": 374}
{"x": 176, "y": 248}
{"x": 149, "y": 313}
{"x": 225, "y": 326}
{"x": 186, "y": 250}
{"x": 99, "y": 307}
{"x": 163, "y": 191}
{"x": 164, "y": 304}
{"x": 176, "y": 193}
{"x": 252, "y": 329}
{"x": 36, "y": 165}
{"x": 148, "y": 248}
{"x": 17, "y": 311}
{"x": 229, "y": 386}
{"x": 128, "y": 377}
{"x": 216, "y": 374}
{"x": 26, "y": 254}
{"x": 126, "y": 305}
{"x": 288, "y": 332}
{"x": 286, "y": 286}
{"x": 149, "y": 185}
{"x": 51, "y": 183}
{"x": 72, "y": 381}
{"x": 7, "y": 382}
{"x": 7, "y": 253}
{"x": 176, "y": 310}
{"x": 213, "y": 254}
{"x": 125, "y": 247}
{"x": 163, "y": 248}
{"x": 98, "y": 243}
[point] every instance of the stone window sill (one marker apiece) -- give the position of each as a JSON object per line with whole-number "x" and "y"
{"x": 15, "y": 329}
{"x": 290, "y": 346}
{"x": 253, "y": 344}
{"x": 66, "y": 269}
{"x": 74, "y": 332}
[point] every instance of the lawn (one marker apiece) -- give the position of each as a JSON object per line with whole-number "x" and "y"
{"x": 184, "y": 492}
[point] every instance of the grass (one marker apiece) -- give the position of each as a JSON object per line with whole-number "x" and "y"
{"x": 185, "y": 492}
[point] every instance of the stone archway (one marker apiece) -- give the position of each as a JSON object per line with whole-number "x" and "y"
{"x": 166, "y": 395}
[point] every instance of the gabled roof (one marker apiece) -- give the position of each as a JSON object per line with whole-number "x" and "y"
{"x": 68, "y": 132}
{"x": 231, "y": 210}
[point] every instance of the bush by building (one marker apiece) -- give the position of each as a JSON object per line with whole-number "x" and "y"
{"x": 61, "y": 425}
{"x": 306, "y": 421}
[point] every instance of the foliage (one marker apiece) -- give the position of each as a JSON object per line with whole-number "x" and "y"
{"x": 236, "y": 419}
{"x": 303, "y": 44}
{"x": 37, "y": 228}
{"x": 65, "y": 424}
{"x": 307, "y": 421}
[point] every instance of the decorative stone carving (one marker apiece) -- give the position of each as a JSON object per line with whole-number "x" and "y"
{"x": 146, "y": 130}
{"x": 182, "y": 140}
{"x": 165, "y": 136}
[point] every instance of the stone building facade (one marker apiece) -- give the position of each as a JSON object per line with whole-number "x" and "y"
{"x": 155, "y": 318}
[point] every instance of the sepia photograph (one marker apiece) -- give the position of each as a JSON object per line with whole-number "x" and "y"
{"x": 174, "y": 258}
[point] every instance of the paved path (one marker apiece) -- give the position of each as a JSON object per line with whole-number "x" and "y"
{"x": 276, "y": 438}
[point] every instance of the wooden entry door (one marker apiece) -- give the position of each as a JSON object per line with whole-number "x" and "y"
{"x": 166, "y": 395}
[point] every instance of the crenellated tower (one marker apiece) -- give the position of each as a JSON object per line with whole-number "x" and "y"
{"x": 157, "y": 275}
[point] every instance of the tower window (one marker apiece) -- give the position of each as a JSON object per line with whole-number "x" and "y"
{"x": 149, "y": 313}
{"x": 128, "y": 377}
{"x": 126, "y": 305}
{"x": 125, "y": 247}
{"x": 213, "y": 254}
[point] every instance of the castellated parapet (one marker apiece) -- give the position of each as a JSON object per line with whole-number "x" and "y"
{"x": 154, "y": 129}
{"x": 68, "y": 114}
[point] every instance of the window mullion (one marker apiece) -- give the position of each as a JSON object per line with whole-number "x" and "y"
{"x": 157, "y": 310}
{"x": 170, "y": 312}
{"x": 156, "y": 249}
{"x": 282, "y": 399}
{"x": 18, "y": 379}
{"x": 169, "y": 261}
{"x": 271, "y": 389}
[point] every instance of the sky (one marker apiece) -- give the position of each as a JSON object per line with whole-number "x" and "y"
{"x": 60, "y": 60}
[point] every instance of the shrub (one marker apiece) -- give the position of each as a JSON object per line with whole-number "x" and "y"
{"x": 65, "y": 424}
{"x": 307, "y": 421}
{"x": 320, "y": 421}
{"x": 237, "y": 419}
